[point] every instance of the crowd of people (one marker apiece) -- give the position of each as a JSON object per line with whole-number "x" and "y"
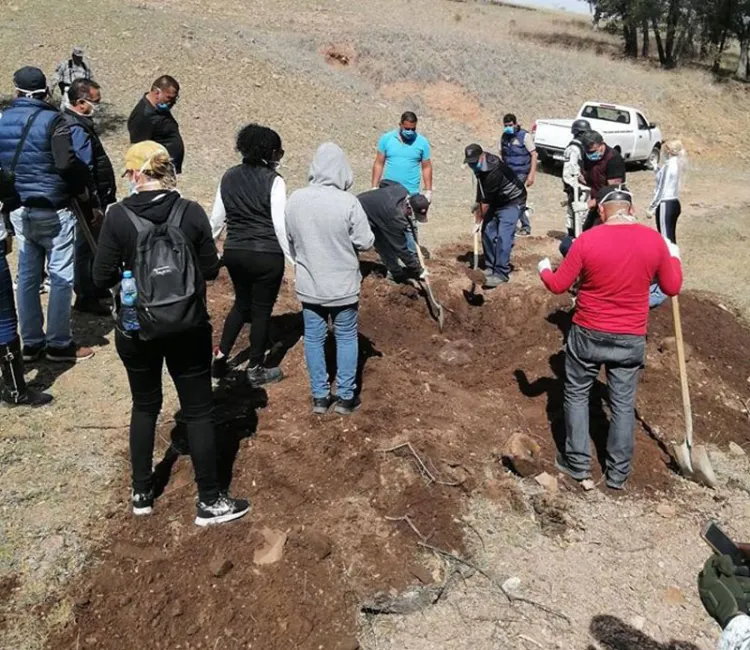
{"x": 59, "y": 201}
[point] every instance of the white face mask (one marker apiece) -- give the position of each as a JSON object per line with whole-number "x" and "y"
{"x": 94, "y": 108}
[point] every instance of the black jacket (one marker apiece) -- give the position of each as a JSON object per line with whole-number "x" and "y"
{"x": 498, "y": 185}
{"x": 103, "y": 181}
{"x": 146, "y": 123}
{"x": 246, "y": 195}
{"x": 116, "y": 248}
{"x": 385, "y": 210}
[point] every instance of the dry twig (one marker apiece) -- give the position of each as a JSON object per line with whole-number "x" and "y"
{"x": 411, "y": 525}
{"x": 423, "y": 468}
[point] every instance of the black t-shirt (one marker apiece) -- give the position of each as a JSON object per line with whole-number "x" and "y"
{"x": 146, "y": 123}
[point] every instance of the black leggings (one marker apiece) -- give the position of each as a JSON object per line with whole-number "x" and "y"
{"x": 188, "y": 358}
{"x": 667, "y": 213}
{"x": 257, "y": 279}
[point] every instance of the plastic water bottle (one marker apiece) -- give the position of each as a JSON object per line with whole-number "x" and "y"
{"x": 128, "y": 296}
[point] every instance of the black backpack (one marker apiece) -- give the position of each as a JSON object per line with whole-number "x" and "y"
{"x": 166, "y": 276}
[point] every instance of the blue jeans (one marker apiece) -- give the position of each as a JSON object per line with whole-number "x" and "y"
{"x": 8, "y": 320}
{"x": 497, "y": 239}
{"x": 345, "y": 328}
{"x": 44, "y": 233}
{"x": 523, "y": 217}
{"x": 411, "y": 242}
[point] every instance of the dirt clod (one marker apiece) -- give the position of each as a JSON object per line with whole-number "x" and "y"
{"x": 735, "y": 449}
{"x": 666, "y": 510}
{"x": 456, "y": 353}
{"x": 273, "y": 547}
{"x": 220, "y": 566}
{"x": 548, "y": 482}
{"x": 522, "y": 454}
{"x": 421, "y": 573}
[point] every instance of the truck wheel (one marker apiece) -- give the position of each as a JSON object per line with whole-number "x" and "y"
{"x": 548, "y": 165}
{"x": 653, "y": 158}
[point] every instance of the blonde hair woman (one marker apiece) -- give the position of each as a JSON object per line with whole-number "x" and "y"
{"x": 665, "y": 205}
{"x": 187, "y": 354}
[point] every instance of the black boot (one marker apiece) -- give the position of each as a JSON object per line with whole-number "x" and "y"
{"x": 14, "y": 391}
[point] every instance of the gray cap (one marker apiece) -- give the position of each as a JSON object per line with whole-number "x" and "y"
{"x": 77, "y": 50}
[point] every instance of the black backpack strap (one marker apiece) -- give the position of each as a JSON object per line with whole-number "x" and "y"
{"x": 177, "y": 212}
{"x": 24, "y": 135}
{"x": 140, "y": 223}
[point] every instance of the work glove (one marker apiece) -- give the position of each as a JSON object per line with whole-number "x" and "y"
{"x": 544, "y": 264}
{"x": 720, "y": 590}
{"x": 650, "y": 213}
{"x": 428, "y": 195}
{"x": 674, "y": 249}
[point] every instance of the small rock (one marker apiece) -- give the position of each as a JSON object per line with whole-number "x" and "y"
{"x": 421, "y": 573}
{"x": 220, "y": 566}
{"x": 273, "y": 547}
{"x": 735, "y": 449}
{"x": 638, "y": 622}
{"x": 522, "y": 453}
{"x": 588, "y": 485}
{"x": 547, "y": 481}
{"x": 319, "y": 544}
{"x": 348, "y": 644}
{"x": 456, "y": 353}
{"x": 512, "y": 585}
{"x": 176, "y": 609}
{"x": 666, "y": 510}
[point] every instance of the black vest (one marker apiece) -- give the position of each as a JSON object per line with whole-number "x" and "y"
{"x": 246, "y": 194}
{"x": 104, "y": 174}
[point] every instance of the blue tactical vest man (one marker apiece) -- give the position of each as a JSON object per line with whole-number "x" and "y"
{"x": 40, "y": 176}
{"x": 518, "y": 151}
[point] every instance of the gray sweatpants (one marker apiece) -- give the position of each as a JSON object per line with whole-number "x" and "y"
{"x": 622, "y": 356}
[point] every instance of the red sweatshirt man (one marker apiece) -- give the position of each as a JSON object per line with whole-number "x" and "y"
{"x": 617, "y": 263}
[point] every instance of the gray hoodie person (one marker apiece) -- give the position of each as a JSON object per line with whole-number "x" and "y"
{"x": 326, "y": 227}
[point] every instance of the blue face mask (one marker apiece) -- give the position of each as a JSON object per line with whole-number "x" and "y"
{"x": 408, "y": 135}
{"x": 163, "y": 107}
{"x": 509, "y": 130}
{"x": 132, "y": 188}
{"x": 477, "y": 166}
{"x": 594, "y": 155}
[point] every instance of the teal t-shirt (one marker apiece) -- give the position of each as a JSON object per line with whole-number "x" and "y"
{"x": 403, "y": 162}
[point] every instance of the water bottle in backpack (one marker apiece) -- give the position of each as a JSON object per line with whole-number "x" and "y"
{"x": 128, "y": 297}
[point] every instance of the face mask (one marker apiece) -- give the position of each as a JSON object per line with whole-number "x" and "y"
{"x": 132, "y": 189}
{"x": 163, "y": 107}
{"x": 94, "y": 108}
{"x": 594, "y": 155}
{"x": 509, "y": 130}
{"x": 475, "y": 167}
{"x": 408, "y": 134}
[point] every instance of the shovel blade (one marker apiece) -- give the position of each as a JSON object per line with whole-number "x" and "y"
{"x": 703, "y": 471}
{"x": 681, "y": 453}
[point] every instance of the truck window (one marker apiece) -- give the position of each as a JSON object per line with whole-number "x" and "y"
{"x": 606, "y": 113}
{"x": 642, "y": 124}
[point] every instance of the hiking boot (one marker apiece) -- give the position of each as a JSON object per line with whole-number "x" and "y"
{"x": 562, "y": 465}
{"x": 219, "y": 366}
{"x": 523, "y": 232}
{"x": 30, "y": 397}
{"x": 425, "y": 252}
{"x": 398, "y": 277}
{"x": 222, "y": 510}
{"x": 143, "y": 503}
{"x": 616, "y": 484}
{"x": 322, "y": 404}
{"x": 488, "y": 273}
{"x": 347, "y": 406}
{"x": 33, "y": 353}
{"x": 15, "y": 392}
{"x": 70, "y": 354}
{"x": 91, "y": 306}
{"x": 259, "y": 376}
{"x": 495, "y": 280}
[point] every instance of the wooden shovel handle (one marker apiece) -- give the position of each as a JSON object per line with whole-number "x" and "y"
{"x": 687, "y": 409}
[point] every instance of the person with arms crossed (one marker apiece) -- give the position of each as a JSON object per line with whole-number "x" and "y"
{"x": 616, "y": 262}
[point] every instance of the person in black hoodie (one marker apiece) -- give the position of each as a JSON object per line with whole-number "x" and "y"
{"x": 251, "y": 200}
{"x": 151, "y": 178}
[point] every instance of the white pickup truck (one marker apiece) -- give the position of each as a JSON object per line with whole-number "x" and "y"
{"x": 622, "y": 127}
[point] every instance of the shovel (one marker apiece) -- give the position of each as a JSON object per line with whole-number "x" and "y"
{"x": 693, "y": 461}
{"x": 436, "y": 309}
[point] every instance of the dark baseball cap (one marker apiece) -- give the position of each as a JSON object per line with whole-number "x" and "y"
{"x": 419, "y": 203}
{"x": 29, "y": 79}
{"x": 614, "y": 193}
{"x": 472, "y": 153}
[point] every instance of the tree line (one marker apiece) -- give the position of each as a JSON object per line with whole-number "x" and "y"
{"x": 681, "y": 30}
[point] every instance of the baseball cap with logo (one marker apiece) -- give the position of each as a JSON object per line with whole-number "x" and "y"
{"x": 472, "y": 153}
{"x": 419, "y": 206}
{"x": 29, "y": 80}
{"x": 77, "y": 51}
{"x": 140, "y": 156}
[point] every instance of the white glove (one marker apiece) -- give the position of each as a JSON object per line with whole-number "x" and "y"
{"x": 428, "y": 195}
{"x": 674, "y": 249}
{"x": 544, "y": 264}
{"x": 650, "y": 213}
{"x": 424, "y": 274}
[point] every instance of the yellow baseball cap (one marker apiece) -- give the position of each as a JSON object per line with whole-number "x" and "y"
{"x": 139, "y": 157}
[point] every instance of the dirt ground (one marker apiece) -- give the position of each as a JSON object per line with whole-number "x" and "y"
{"x": 617, "y": 570}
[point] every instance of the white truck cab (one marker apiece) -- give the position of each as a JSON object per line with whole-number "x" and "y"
{"x": 622, "y": 127}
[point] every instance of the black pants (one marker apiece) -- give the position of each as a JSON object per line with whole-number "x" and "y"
{"x": 188, "y": 358}
{"x": 667, "y": 213}
{"x": 257, "y": 279}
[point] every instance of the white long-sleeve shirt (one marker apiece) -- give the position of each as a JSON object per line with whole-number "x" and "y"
{"x": 736, "y": 635}
{"x": 667, "y": 182}
{"x": 278, "y": 208}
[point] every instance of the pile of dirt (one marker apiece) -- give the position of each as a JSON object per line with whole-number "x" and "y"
{"x": 355, "y": 495}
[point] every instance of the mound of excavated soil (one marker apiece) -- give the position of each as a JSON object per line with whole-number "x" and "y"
{"x": 327, "y": 482}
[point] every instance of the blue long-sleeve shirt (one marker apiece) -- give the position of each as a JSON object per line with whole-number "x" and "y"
{"x": 82, "y": 146}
